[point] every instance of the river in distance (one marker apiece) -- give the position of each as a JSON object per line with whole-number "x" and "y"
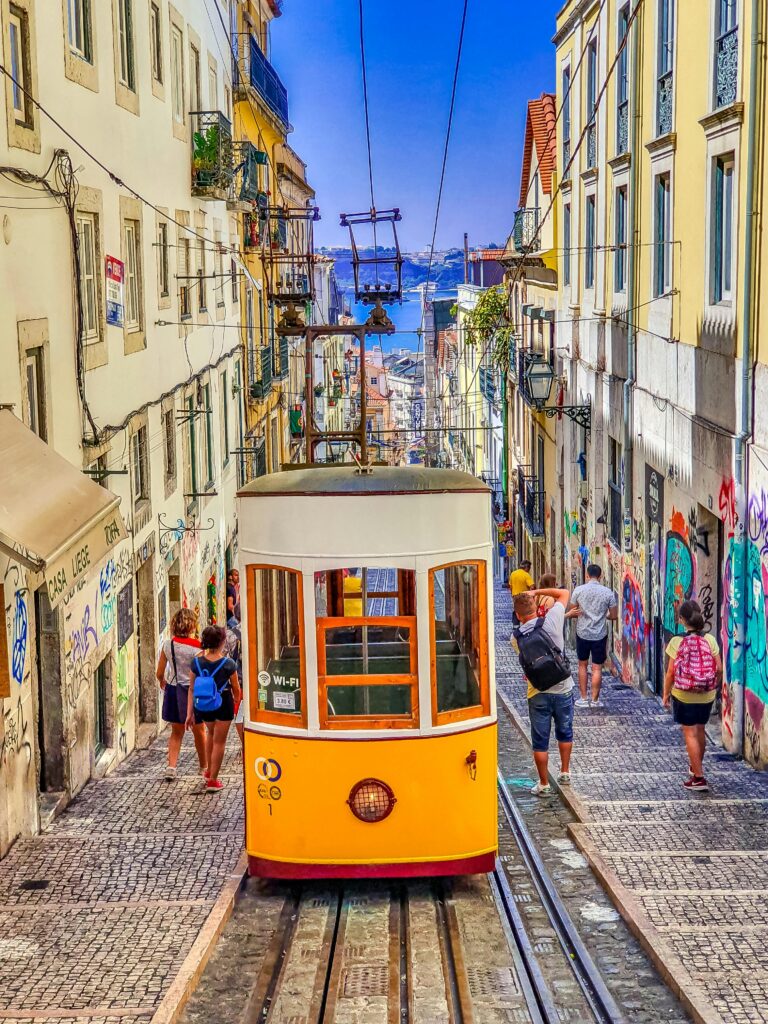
{"x": 407, "y": 320}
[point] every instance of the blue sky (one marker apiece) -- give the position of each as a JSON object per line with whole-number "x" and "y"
{"x": 411, "y": 50}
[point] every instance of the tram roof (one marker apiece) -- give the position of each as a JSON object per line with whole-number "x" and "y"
{"x": 347, "y": 480}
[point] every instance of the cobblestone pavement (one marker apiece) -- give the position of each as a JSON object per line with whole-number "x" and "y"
{"x": 690, "y": 870}
{"x": 98, "y": 913}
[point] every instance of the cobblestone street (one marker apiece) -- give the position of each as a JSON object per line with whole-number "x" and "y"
{"x": 98, "y": 914}
{"x": 688, "y": 871}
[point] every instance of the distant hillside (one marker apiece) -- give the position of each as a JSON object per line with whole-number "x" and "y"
{"x": 447, "y": 269}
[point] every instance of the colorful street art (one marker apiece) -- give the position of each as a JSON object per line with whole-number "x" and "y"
{"x": 679, "y": 574}
{"x": 634, "y": 629}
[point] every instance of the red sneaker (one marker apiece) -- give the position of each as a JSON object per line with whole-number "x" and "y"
{"x": 697, "y": 783}
{"x": 206, "y": 773}
{"x": 214, "y": 785}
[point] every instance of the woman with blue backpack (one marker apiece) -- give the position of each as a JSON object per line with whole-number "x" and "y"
{"x": 693, "y": 676}
{"x": 214, "y": 689}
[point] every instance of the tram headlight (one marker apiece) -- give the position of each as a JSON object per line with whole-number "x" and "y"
{"x": 371, "y": 800}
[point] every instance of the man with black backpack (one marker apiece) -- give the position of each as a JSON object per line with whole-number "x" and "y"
{"x": 541, "y": 647}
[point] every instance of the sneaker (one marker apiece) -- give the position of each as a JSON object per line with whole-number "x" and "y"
{"x": 596, "y": 703}
{"x": 540, "y": 789}
{"x": 213, "y": 785}
{"x": 564, "y": 778}
{"x": 170, "y": 774}
{"x": 205, "y": 772}
{"x": 581, "y": 702}
{"x": 697, "y": 783}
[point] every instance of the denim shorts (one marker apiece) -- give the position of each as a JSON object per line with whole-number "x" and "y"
{"x": 543, "y": 709}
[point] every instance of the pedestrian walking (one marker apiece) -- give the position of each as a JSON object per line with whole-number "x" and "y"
{"x": 233, "y": 591}
{"x": 694, "y": 671}
{"x": 173, "y": 667}
{"x": 593, "y": 606}
{"x": 541, "y": 646}
{"x": 213, "y": 689}
{"x": 520, "y": 582}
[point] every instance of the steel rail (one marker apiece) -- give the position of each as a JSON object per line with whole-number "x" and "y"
{"x": 601, "y": 1003}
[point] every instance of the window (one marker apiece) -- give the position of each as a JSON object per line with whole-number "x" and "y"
{"x": 620, "y": 251}
{"x": 125, "y": 44}
{"x": 213, "y": 89}
{"x": 100, "y": 724}
{"x": 89, "y": 294}
{"x": 18, "y": 37}
{"x": 228, "y": 103}
{"x": 662, "y": 269}
{"x": 567, "y": 244}
{"x": 163, "y": 275}
{"x": 614, "y": 492}
{"x": 36, "y": 418}
{"x": 132, "y": 275}
{"x": 79, "y": 28}
{"x": 218, "y": 271}
{"x": 566, "y": 105}
{"x": 177, "y": 74}
{"x": 274, "y": 446}
{"x": 665, "y": 63}
{"x": 722, "y": 234}
{"x": 592, "y": 104}
{"x": 622, "y": 85}
{"x": 140, "y": 465}
{"x": 185, "y": 306}
{"x": 156, "y": 43}
{"x": 726, "y": 53}
{"x": 224, "y": 412}
{"x": 277, "y": 684}
{"x": 589, "y": 244}
{"x": 249, "y": 330}
{"x": 459, "y": 641}
{"x": 234, "y": 282}
{"x": 169, "y": 443}
{"x": 202, "y": 280}
{"x": 208, "y": 436}
{"x": 194, "y": 84}
{"x": 367, "y": 658}
{"x": 192, "y": 474}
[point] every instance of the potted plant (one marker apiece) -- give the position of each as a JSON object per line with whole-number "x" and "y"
{"x": 319, "y": 389}
{"x": 205, "y": 155}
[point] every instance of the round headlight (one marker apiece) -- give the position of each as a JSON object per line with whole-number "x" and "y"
{"x": 371, "y": 800}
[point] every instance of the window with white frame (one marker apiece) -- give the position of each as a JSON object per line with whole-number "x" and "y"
{"x": 156, "y": 43}
{"x": 202, "y": 280}
{"x": 567, "y": 243}
{"x": 662, "y": 234}
{"x": 177, "y": 74}
{"x": 218, "y": 270}
{"x": 140, "y": 465}
{"x": 224, "y": 412}
{"x": 233, "y": 276}
{"x": 18, "y": 39}
{"x": 620, "y": 241}
{"x": 131, "y": 252}
{"x": 125, "y": 44}
{"x": 589, "y": 242}
{"x": 185, "y": 306}
{"x": 207, "y": 432}
{"x": 592, "y": 104}
{"x": 213, "y": 88}
{"x": 163, "y": 268}
{"x": 722, "y": 229}
{"x": 726, "y": 69}
{"x": 249, "y": 331}
{"x": 665, "y": 57}
{"x": 566, "y": 115}
{"x": 89, "y": 290}
{"x": 191, "y": 468}
{"x": 169, "y": 443}
{"x": 622, "y": 84}
{"x": 35, "y": 382}
{"x": 79, "y": 32}
{"x": 195, "y": 85}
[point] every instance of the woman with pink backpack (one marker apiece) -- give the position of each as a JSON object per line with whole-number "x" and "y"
{"x": 693, "y": 677}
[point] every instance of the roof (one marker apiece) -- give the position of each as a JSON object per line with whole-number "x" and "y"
{"x": 346, "y": 480}
{"x": 52, "y": 516}
{"x": 477, "y": 255}
{"x": 539, "y": 131}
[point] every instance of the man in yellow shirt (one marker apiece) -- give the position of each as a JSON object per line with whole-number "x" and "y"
{"x": 520, "y": 581}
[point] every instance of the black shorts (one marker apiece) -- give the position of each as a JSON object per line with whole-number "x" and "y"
{"x": 175, "y": 702}
{"x": 691, "y": 714}
{"x": 595, "y": 649}
{"x": 224, "y": 713}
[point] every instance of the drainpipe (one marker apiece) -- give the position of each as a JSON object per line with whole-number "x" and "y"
{"x": 629, "y": 383}
{"x": 741, "y": 468}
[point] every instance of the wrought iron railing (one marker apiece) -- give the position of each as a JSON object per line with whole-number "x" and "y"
{"x": 664, "y": 94}
{"x": 622, "y": 127}
{"x": 525, "y": 233}
{"x": 253, "y": 228}
{"x": 245, "y": 186}
{"x": 261, "y": 388}
{"x": 592, "y": 145}
{"x": 212, "y": 155}
{"x": 531, "y": 498}
{"x": 252, "y": 69}
{"x": 727, "y": 68}
{"x": 566, "y": 158}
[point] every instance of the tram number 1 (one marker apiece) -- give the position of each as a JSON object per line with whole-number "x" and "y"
{"x": 273, "y": 793}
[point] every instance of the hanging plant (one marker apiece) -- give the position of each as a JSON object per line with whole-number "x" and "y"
{"x": 487, "y": 325}
{"x": 319, "y": 389}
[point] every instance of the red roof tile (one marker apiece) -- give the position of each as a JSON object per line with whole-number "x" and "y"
{"x": 540, "y": 131}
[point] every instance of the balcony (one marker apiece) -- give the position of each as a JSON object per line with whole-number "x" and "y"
{"x": 727, "y": 68}
{"x": 212, "y": 153}
{"x": 525, "y": 233}
{"x": 566, "y": 159}
{"x": 260, "y": 389}
{"x": 253, "y": 71}
{"x": 622, "y": 128}
{"x": 664, "y": 92}
{"x": 252, "y": 231}
{"x": 530, "y": 502}
{"x": 246, "y": 177}
{"x": 592, "y": 146}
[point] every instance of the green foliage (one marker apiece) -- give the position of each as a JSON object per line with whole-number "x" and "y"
{"x": 454, "y": 310}
{"x": 205, "y": 153}
{"x": 487, "y": 325}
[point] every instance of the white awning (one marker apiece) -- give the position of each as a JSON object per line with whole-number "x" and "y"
{"x": 52, "y": 517}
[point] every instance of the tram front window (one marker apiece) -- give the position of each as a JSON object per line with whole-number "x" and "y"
{"x": 366, "y": 629}
{"x": 459, "y": 642}
{"x": 275, "y": 634}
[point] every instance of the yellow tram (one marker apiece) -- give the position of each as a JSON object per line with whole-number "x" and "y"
{"x": 370, "y": 722}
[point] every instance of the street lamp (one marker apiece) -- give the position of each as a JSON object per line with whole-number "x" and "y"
{"x": 539, "y": 377}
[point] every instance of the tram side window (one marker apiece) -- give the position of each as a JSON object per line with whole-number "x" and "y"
{"x": 367, "y": 665}
{"x": 276, "y": 645}
{"x": 459, "y": 641}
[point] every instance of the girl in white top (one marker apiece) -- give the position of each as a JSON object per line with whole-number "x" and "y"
{"x": 173, "y": 668}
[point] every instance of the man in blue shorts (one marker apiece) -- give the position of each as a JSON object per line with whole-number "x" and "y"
{"x": 593, "y": 606}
